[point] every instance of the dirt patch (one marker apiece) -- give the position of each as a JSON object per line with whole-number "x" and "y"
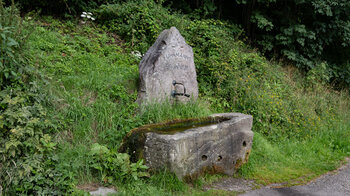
{"x": 97, "y": 189}
{"x": 65, "y": 136}
{"x": 116, "y": 39}
{"x": 94, "y": 126}
{"x": 238, "y": 185}
{"x": 88, "y": 187}
{"x": 89, "y": 98}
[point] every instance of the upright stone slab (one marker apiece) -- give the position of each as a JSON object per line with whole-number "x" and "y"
{"x": 169, "y": 59}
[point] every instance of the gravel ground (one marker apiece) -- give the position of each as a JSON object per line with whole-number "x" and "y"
{"x": 102, "y": 191}
{"x": 336, "y": 183}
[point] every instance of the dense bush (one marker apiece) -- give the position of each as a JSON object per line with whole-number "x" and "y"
{"x": 114, "y": 166}
{"x": 27, "y": 160}
{"x": 65, "y": 8}
{"x": 306, "y": 33}
{"x": 139, "y": 22}
{"x": 11, "y": 31}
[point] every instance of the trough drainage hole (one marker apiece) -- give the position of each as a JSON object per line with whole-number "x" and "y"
{"x": 244, "y": 144}
{"x": 204, "y": 157}
{"x": 219, "y": 158}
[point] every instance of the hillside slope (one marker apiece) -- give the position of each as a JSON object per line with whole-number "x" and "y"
{"x": 90, "y": 76}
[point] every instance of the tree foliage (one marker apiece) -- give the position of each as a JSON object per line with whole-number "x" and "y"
{"x": 305, "y": 32}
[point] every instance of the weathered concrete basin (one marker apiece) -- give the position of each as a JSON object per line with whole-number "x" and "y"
{"x": 220, "y": 143}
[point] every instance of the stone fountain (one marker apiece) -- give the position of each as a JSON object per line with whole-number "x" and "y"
{"x": 219, "y": 143}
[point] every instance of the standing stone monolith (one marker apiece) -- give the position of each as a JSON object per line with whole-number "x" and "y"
{"x": 167, "y": 71}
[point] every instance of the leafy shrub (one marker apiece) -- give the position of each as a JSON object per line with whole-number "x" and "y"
{"x": 136, "y": 21}
{"x": 212, "y": 41}
{"x": 67, "y": 8}
{"x": 304, "y": 32}
{"x": 27, "y": 163}
{"x": 114, "y": 166}
{"x": 11, "y": 31}
{"x": 319, "y": 75}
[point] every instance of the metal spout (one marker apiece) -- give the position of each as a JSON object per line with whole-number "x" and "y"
{"x": 174, "y": 93}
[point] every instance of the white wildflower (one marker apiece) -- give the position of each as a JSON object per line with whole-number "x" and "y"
{"x": 137, "y": 54}
{"x": 87, "y": 15}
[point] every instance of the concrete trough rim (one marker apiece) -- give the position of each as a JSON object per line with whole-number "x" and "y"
{"x": 145, "y": 131}
{"x": 234, "y": 118}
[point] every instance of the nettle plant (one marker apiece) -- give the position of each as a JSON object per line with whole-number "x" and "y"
{"x": 87, "y": 16}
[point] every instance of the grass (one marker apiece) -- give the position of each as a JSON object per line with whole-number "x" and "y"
{"x": 297, "y": 161}
{"x": 94, "y": 81}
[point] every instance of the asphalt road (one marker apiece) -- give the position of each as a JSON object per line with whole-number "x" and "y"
{"x": 332, "y": 184}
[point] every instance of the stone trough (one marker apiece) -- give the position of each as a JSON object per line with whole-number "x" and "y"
{"x": 220, "y": 143}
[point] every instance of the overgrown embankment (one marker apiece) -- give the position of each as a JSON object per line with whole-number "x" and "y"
{"x": 62, "y": 126}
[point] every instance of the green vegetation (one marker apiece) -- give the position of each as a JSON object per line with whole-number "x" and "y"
{"x": 28, "y": 160}
{"x": 68, "y": 93}
{"x": 306, "y": 33}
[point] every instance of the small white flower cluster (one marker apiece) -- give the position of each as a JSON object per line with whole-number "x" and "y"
{"x": 137, "y": 54}
{"x": 87, "y": 15}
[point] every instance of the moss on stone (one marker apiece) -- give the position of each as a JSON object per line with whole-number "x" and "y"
{"x": 133, "y": 142}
